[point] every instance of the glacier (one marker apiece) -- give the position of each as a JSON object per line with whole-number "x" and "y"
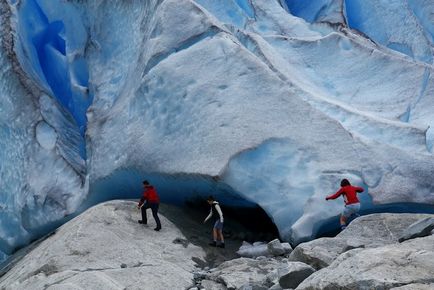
{"x": 259, "y": 102}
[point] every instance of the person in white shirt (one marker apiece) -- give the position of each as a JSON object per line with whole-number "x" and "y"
{"x": 217, "y": 232}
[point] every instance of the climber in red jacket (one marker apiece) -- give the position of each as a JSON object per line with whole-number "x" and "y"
{"x": 150, "y": 199}
{"x": 352, "y": 203}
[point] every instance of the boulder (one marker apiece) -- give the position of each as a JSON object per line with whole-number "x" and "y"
{"x": 105, "y": 248}
{"x": 385, "y": 267}
{"x": 242, "y": 272}
{"x": 287, "y": 247}
{"x": 380, "y": 229}
{"x": 211, "y": 285}
{"x": 253, "y": 286}
{"x": 417, "y": 286}
{"x": 294, "y": 274}
{"x": 368, "y": 231}
{"x": 275, "y": 248}
{"x": 420, "y": 228}
{"x": 319, "y": 253}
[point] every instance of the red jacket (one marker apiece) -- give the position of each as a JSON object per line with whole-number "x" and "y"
{"x": 349, "y": 192}
{"x": 150, "y": 194}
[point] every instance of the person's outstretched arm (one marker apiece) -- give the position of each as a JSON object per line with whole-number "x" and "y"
{"x": 141, "y": 202}
{"x": 208, "y": 217}
{"x": 359, "y": 189}
{"x": 336, "y": 195}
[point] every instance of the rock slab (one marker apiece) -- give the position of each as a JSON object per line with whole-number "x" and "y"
{"x": 105, "y": 248}
{"x": 421, "y": 228}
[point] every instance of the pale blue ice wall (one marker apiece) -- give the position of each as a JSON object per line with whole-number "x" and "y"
{"x": 402, "y": 25}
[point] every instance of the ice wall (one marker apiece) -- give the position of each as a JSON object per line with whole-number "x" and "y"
{"x": 42, "y": 146}
{"x": 401, "y": 25}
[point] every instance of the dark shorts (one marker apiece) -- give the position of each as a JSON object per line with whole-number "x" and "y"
{"x": 218, "y": 225}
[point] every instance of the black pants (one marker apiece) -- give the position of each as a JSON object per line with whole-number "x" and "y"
{"x": 154, "y": 207}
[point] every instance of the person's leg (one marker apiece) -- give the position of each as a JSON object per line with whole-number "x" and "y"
{"x": 219, "y": 229}
{"x": 214, "y": 236}
{"x": 343, "y": 221}
{"x": 144, "y": 218}
{"x": 220, "y": 236}
{"x": 222, "y": 240}
{"x": 154, "y": 208}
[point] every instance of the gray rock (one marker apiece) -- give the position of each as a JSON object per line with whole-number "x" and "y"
{"x": 319, "y": 253}
{"x": 89, "y": 253}
{"x": 420, "y": 228}
{"x": 417, "y": 286}
{"x": 379, "y": 229}
{"x": 275, "y": 248}
{"x": 287, "y": 247}
{"x": 410, "y": 262}
{"x": 198, "y": 275}
{"x": 253, "y": 286}
{"x": 275, "y": 287}
{"x": 369, "y": 231}
{"x": 236, "y": 273}
{"x": 211, "y": 285}
{"x": 294, "y": 274}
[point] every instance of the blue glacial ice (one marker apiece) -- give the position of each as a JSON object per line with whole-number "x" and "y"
{"x": 254, "y": 101}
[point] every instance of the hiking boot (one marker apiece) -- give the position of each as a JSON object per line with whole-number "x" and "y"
{"x": 213, "y": 244}
{"x": 222, "y": 245}
{"x": 157, "y": 229}
{"x": 142, "y": 222}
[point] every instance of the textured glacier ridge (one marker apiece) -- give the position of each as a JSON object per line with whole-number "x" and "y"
{"x": 240, "y": 98}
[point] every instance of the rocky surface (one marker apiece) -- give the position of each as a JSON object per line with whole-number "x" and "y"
{"x": 417, "y": 286}
{"x": 420, "y": 228}
{"x": 365, "y": 232}
{"x": 237, "y": 273}
{"x": 294, "y": 274}
{"x": 105, "y": 248}
{"x": 378, "y": 268}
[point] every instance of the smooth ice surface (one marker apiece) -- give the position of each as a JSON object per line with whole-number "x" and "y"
{"x": 251, "y": 100}
{"x": 46, "y": 135}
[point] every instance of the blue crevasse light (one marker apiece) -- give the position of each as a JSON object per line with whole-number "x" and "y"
{"x": 45, "y": 44}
